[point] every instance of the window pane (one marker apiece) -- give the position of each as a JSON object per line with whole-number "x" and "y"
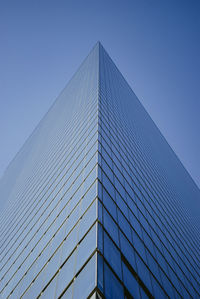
{"x": 109, "y": 204}
{"x": 127, "y": 251}
{"x": 68, "y": 293}
{"x": 108, "y": 185}
{"x": 86, "y": 280}
{"x": 144, "y": 273}
{"x": 111, "y": 227}
{"x": 88, "y": 197}
{"x": 50, "y": 290}
{"x": 124, "y": 225}
{"x": 69, "y": 243}
{"x": 52, "y": 266}
{"x": 113, "y": 288}
{"x": 112, "y": 254}
{"x": 86, "y": 247}
{"x": 100, "y": 272}
{"x": 88, "y": 219}
{"x": 130, "y": 282}
{"x": 66, "y": 274}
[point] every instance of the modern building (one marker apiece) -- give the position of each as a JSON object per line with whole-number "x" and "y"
{"x": 96, "y": 204}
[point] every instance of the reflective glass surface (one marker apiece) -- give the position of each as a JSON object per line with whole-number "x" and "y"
{"x": 96, "y": 203}
{"x": 149, "y": 232}
{"x": 49, "y": 192}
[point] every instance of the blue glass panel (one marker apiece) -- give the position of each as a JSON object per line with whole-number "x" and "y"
{"x": 109, "y": 204}
{"x": 53, "y": 265}
{"x": 108, "y": 185}
{"x": 86, "y": 247}
{"x": 66, "y": 274}
{"x": 139, "y": 246}
{"x": 113, "y": 288}
{"x": 112, "y": 254}
{"x": 50, "y": 290}
{"x": 70, "y": 243}
{"x": 124, "y": 225}
{"x": 143, "y": 273}
{"x": 87, "y": 220}
{"x": 86, "y": 280}
{"x": 111, "y": 226}
{"x": 100, "y": 272}
{"x": 121, "y": 204}
{"x": 89, "y": 197}
{"x": 68, "y": 293}
{"x": 127, "y": 251}
{"x": 158, "y": 292}
{"x": 107, "y": 170}
{"x": 130, "y": 282}
{"x": 100, "y": 212}
{"x": 100, "y": 238}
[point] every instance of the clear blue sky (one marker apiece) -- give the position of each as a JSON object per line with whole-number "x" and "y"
{"x": 155, "y": 44}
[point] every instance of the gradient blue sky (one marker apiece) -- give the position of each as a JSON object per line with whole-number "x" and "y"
{"x": 155, "y": 44}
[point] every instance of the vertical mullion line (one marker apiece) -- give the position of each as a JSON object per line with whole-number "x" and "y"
{"x": 97, "y": 206}
{"x": 98, "y": 106}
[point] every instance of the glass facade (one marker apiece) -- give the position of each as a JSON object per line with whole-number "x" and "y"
{"x": 96, "y": 204}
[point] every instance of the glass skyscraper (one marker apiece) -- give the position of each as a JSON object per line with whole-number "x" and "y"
{"x": 96, "y": 204}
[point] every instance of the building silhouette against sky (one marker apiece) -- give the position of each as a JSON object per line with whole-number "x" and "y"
{"x": 96, "y": 204}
